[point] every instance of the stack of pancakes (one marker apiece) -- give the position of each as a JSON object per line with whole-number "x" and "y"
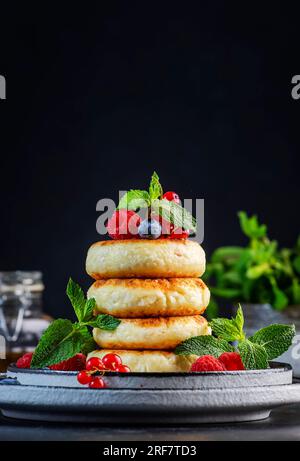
{"x": 153, "y": 287}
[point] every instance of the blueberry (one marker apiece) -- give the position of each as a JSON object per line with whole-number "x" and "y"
{"x": 149, "y": 229}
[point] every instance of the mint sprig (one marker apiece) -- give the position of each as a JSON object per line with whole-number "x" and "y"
{"x": 266, "y": 344}
{"x": 172, "y": 212}
{"x": 64, "y": 339}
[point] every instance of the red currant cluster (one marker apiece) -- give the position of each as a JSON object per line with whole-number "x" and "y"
{"x": 124, "y": 224}
{"x": 110, "y": 362}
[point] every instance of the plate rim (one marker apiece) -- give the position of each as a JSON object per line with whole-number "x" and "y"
{"x": 275, "y": 367}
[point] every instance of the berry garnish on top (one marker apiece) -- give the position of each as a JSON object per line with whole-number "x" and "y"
{"x": 149, "y": 229}
{"x": 166, "y": 218}
{"x": 123, "y": 224}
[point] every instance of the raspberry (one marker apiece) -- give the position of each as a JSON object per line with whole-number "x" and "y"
{"x": 123, "y": 225}
{"x": 232, "y": 361}
{"x": 75, "y": 363}
{"x": 25, "y": 360}
{"x": 207, "y": 363}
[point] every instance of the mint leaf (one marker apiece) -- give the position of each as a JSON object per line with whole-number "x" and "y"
{"x": 105, "y": 322}
{"x": 296, "y": 264}
{"x": 238, "y": 320}
{"x": 257, "y": 271}
{"x": 203, "y": 345}
{"x": 134, "y": 199}
{"x": 254, "y": 356}
{"x": 88, "y": 309}
{"x": 55, "y": 344}
{"x": 276, "y": 339}
{"x": 88, "y": 343}
{"x": 225, "y": 329}
{"x": 88, "y": 346}
{"x": 175, "y": 214}
{"x": 251, "y": 227}
{"x": 77, "y": 298}
{"x": 227, "y": 293}
{"x": 229, "y": 329}
{"x": 63, "y": 339}
{"x": 280, "y": 299}
{"x": 155, "y": 188}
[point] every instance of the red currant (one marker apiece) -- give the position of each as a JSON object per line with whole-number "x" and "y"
{"x": 123, "y": 225}
{"x": 83, "y": 377}
{"x": 171, "y": 196}
{"x": 123, "y": 369}
{"x": 111, "y": 361}
{"x": 94, "y": 364}
{"x": 97, "y": 383}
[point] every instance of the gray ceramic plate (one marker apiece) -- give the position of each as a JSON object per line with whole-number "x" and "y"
{"x": 153, "y": 398}
{"x": 277, "y": 374}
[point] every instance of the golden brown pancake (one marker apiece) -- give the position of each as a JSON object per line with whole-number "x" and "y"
{"x": 162, "y": 333}
{"x": 161, "y": 258}
{"x": 136, "y": 298}
{"x": 150, "y": 361}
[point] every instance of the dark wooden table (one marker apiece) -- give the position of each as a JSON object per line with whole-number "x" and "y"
{"x": 283, "y": 424}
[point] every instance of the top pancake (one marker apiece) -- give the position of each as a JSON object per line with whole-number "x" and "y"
{"x": 145, "y": 258}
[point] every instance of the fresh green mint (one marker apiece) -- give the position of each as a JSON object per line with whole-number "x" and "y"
{"x": 229, "y": 329}
{"x": 254, "y": 356}
{"x": 64, "y": 339}
{"x": 261, "y": 272}
{"x": 135, "y": 199}
{"x": 172, "y": 212}
{"x": 175, "y": 214}
{"x": 266, "y": 344}
{"x": 155, "y": 188}
{"x": 275, "y": 339}
{"x": 203, "y": 345}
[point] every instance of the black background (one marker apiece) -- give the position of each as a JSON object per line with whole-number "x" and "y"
{"x": 203, "y": 96}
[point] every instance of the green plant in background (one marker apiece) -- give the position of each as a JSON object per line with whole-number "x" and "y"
{"x": 257, "y": 273}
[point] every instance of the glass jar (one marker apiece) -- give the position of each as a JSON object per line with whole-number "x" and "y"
{"x": 22, "y": 320}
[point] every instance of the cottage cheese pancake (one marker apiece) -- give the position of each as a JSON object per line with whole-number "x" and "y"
{"x": 162, "y": 333}
{"x": 162, "y": 258}
{"x": 136, "y": 298}
{"x": 150, "y": 361}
